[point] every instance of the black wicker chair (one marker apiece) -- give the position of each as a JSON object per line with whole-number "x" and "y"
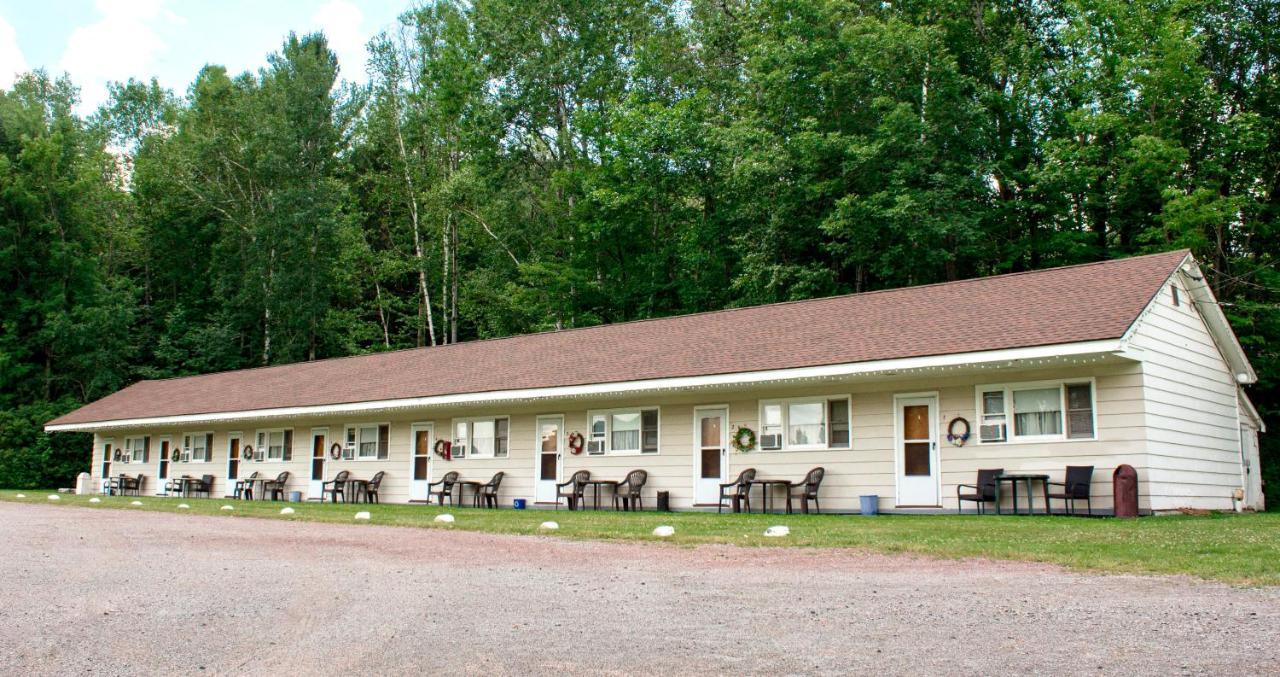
{"x": 273, "y": 490}
{"x": 446, "y": 485}
{"x": 983, "y": 492}
{"x": 244, "y": 487}
{"x": 1076, "y": 487}
{"x": 335, "y": 487}
{"x": 372, "y": 487}
{"x": 204, "y": 485}
{"x": 738, "y": 491}
{"x": 628, "y": 491}
{"x": 807, "y": 490}
{"x": 487, "y": 496}
{"x": 576, "y": 485}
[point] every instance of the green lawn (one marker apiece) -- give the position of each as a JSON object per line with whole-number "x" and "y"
{"x": 1242, "y": 549}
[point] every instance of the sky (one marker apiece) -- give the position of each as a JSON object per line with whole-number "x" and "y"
{"x": 99, "y": 41}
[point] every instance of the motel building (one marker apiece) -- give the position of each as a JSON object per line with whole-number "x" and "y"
{"x": 903, "y": 394}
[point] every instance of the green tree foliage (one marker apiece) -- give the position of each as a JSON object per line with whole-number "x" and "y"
{"x": 525, "y": 166}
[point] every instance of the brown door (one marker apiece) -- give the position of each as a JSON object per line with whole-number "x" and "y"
{"x": 317, "y": 457}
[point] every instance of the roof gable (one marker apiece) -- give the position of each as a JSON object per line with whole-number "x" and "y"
{"x": 1061, "y": 305}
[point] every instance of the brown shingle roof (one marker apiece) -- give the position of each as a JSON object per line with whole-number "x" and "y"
{"x": 1060, "y": 305}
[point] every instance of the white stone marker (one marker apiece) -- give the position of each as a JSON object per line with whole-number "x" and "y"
{"x": 664, "y": 531}
{"x": 22, "y": 496}
{"x": 135, "y": 502}
{"x": 228, "y": 507}
{"x": 183, "y": 506}
{"x": 548, "y": 525}
{"x": 286, "y": 511}
{"x": 777, "y": 531}
{"x": 95, "y": 499}
{"x": 54, "y": 497}
{"x": 446, "y": 518}
{"x": 362, "y": 515}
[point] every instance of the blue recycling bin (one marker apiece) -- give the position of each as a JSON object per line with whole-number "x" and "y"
{"x": 518, "y": 504}
{"x": 870, "y": 504}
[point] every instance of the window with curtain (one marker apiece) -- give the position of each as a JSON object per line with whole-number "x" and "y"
{"x": 805, "y": 423}
{"x": 623, "y": 431}
{"x": 482, "y": 437}
{"x": 1037, "y": 412}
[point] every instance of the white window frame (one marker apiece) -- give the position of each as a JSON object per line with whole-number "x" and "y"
{"x": 187, "y": 455}
{"x": 1010, "y": 434}
{"x": 352, "y": 453}
{"x": 266, "y": 448}
{"x": 134, "y": 445}
{"x": 470, "y": 422}
{"x": 606, "y": 445}
{"x": 785, "y": 404}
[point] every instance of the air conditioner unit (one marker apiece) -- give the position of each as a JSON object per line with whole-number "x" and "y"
{"x": 771, "y": 441}
{"x": 992, "y": 432}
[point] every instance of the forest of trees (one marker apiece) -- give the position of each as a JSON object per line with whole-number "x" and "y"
{"x": 524, "y": 165}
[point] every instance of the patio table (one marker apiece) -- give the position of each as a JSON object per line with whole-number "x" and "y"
{"x": 354, "y": 487}
{"x": 1026, "y": 479}
{"x": 613, "y": 484}
{"x": 475, "y": 491}
{"x": 764, "y": 490}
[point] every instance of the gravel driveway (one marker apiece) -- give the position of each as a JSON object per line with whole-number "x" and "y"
{"x": 119, "y": 592}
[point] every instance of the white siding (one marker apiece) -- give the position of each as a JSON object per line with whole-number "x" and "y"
{"x": 1192, "y": 414}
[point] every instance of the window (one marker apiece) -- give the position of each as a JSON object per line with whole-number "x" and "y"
{"x": 805, "y": 423}
{"x": 1177, "y": 299}
{"x": 1037, "y": 412}
{"x": 135, "y": 449}
{"x": 483, "y": 437}
{"x": 197, "y": 447}
{"x": 275, "y": 445}
{"x": 623, "y": 431}
{"x": 367, "y": 441}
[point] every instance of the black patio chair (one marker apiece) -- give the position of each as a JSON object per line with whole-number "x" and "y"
{"x": 983, "y": 492}
{"x": 371, "y": 488}
{"x": 807, "y": 490}
{"x": 204, "y": 485}
{"x": 446, "y": 485}
{"x": 576, "y": 485}
{"x": 628, "y": 491}
{"x": 738, "y": 491}
{"x": 487, "y": 496}
{"x": 273, "y": 490}
{"x": 244, "y": 487}
{"x": 335, "y": 487}
{"x": 1076, "y": 487}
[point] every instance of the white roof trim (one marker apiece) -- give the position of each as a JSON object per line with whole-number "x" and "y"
{"x": 1219, "y": 327}
{"x": 625, "y": 387}
{"x": 1251, "y": 411}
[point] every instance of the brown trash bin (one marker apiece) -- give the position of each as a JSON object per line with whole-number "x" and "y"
{"x": 1124, "y": 491}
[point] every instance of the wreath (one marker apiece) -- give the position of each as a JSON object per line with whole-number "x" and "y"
{"x": 955, "y": 438}
{"x": 117, "y": 456}
{"x": 247, "y": 452}
{"x": 575, "y": 443}
{"x": 335, "y": 452}
{"x": 744, "y": 439}
{"x": 443, "y": 449}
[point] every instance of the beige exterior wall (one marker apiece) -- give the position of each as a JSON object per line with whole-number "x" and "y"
{"x": 1192, "y": 411}
{"x": 869, "y": 467}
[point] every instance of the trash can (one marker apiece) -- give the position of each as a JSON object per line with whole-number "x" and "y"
{"x": 664, "y": 501}
{"x": 84, "y": 484}
{"x": 1124, "y": 491}
{"x": 295, "y": 496}
{"x": 870, "y": 504}
{"x": 518, "y": 503}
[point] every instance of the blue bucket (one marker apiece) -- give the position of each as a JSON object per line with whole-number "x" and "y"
{"x": 518, "y": 504}
{"x": 870, "y": 504}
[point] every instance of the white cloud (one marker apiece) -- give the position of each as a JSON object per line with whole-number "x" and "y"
{"x": 12, "y": 62}
{"x": 123, "y": 43}
{"x": 341, "y": 22}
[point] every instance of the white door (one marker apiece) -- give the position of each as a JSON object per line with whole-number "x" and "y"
{"x": 550, "y": 458}
{"x": 710, "y": 444}
{"x": 233, "y": 463}
{"x": 916, "y": 435}
{"x": 162, "y": 466}
{"x": 420, "y": 461}
{"x": 319, "y": 444}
